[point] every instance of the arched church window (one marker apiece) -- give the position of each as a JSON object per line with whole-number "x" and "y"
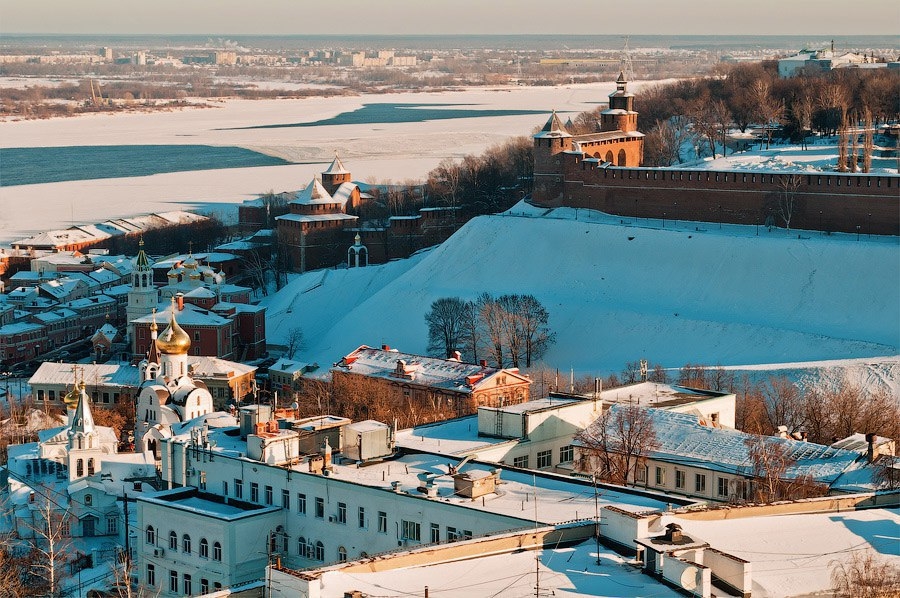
{"x": 79, "y": 468}
{"x": 90, "y": 467}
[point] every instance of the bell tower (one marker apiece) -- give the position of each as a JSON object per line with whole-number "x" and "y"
{"x": 143, "y": 295}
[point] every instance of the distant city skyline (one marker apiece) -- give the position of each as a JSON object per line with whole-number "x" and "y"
{"x": 440, "y": 17}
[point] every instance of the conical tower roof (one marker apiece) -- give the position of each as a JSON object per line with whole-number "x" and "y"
{"x": 83, "y": 420}
{"x": 142, "y": 262}
{"x": 553, "y": 128}
{"x": 314, "y": 193}
{"x": 337, "y": 167}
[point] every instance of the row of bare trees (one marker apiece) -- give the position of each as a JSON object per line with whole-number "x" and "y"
{"x": 509, "y": 329}
{"x": 741, "y": 95}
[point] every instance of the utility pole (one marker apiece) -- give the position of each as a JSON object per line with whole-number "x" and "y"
{"x": 596, "y": 516}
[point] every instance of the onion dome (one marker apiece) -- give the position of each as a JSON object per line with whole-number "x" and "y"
{"x": 71, "y": 399}
{"x": 191, "y": 262}
{"x": 172, "y": 273}
{"x": 173, "y": 340}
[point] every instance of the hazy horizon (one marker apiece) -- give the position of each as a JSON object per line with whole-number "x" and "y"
{"x": 460, "y": 17}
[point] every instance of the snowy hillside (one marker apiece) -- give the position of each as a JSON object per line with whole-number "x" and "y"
{"x": 617, "y": 292}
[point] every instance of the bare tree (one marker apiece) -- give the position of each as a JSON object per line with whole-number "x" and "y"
{"x": 536, "y": 336}
{"x": 788, "y": 187}
{"x": 491, "y": 315}
{"x": 865, "y": 575}
{"x": 445, "y": 322}
{"x": 843, "y": 142}
{"x": 294, "y": 341}
{"x": 802, "y": 109}
{"x": 471, "y": 331}
{"x": 770, "y": 460}
{"x": 618, "y": 443}
{"x": 769, "y": 109}
{"x": 12, "y": 566}
{"x": 887, "y": 472}
{"x": 50, "y": 545}
{"x": 868, "y": 141}
{"x": 258, "y": 268}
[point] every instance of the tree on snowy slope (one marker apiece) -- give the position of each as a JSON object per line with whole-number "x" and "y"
{"x": 445, "y": 325}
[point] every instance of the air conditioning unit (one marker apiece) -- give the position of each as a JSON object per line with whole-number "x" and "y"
{"x": 159, "y": 552}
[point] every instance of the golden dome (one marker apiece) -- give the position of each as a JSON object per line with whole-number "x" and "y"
{"x": 71, "y": 399}
{"x": 173, "y": 340}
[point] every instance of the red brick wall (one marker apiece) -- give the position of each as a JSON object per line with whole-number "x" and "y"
{"x": 828, "y": 202}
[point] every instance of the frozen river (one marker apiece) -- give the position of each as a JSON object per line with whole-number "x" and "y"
{"x": 397, "y": 136}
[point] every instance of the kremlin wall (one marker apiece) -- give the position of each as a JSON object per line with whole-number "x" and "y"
{"x": 602, "y": 172}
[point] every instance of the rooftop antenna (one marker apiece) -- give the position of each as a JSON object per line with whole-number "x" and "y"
{"x": 627, "y": 66}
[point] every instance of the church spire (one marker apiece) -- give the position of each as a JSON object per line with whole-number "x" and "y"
{"x": 83, "y": 419}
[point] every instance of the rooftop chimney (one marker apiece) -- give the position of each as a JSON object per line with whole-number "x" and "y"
{"x": 179, "y": 300}
{"x": 385, "y": 347}
{"x": 870, "y": 452}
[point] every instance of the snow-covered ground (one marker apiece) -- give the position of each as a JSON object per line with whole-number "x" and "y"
{"x": 619, "y": 291}
{"x": 819, "y": 157}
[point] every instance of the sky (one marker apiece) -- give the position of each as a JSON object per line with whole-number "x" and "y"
{"x": 404, "y": 17}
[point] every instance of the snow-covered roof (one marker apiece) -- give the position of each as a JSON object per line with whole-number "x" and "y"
{"x": 213, "y": 367}
{"x": 552, "y": 129}
{"x": 209, "y": 505}
{"x": 191, "y": 315}
{"x": 655, "y": 394}
{"x": 681, "y": 439}
{"x": 343, "y": 192}
{"x": 426, "y": 371}
{"x": 336, "y": 167}
{"x": 314, "y": 193}
{"x": 288, "y": 366}
{"x": 316, "y": 217}
{"x": 100, "y": 374}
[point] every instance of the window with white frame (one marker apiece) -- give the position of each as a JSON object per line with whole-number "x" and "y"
{"x": 566, "y": 454}
{"x": 660, "y": 476}
{"x": 544, "y": 459}
{"x": 410, "y": 530}
{"x": 700, "y": 482}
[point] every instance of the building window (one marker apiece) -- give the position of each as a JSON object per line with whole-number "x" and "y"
{"x": 254, "y": 492}
{"x": 640, "y": 474}
{"x": 238, "y": 488}
{"x": 679, "y": 479}
{"x": 151, "y": 535}
{"x": 382, "y": 522}
{"x": 342, "y": 513}
{"x": 151, "y": 574}
{"x": 544, "y": 459}
{"x": 112, "y": 525}
{"x": 700, "y": 482}
{"x": 452, "y": 534}
{"x": 186, "y": 544}
{"x": 204, "y": 548}
{"x": 269, "y": 495}
{"x": 217, "y": 551}
{"x": 187, "y": 585}
{"x": 204, "y": 586}
{"x": 435, "y": 533}
{"x": 320, "y": 551}
{"x": 301, "y": 546}
{"x": 410, "y": 530}
{"x": 342, "y": 554}
{"x": 173, "y": 581}
{"x": 520, "y": 461}
{"x": 723, "y": 487}
{"x": 224, "y": 488}
{"x": 361, "y": 517}
{"x": 660, "y": 476}
{"x": 320, "y": 507}
{"x": 301, "y": 504}
{"x": 286, "y": 499}
{"x": 173, "y": 541}
{"x": 566, "y": 454}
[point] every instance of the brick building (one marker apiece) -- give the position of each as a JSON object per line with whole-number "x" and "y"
{"x": 412, "y": 382}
